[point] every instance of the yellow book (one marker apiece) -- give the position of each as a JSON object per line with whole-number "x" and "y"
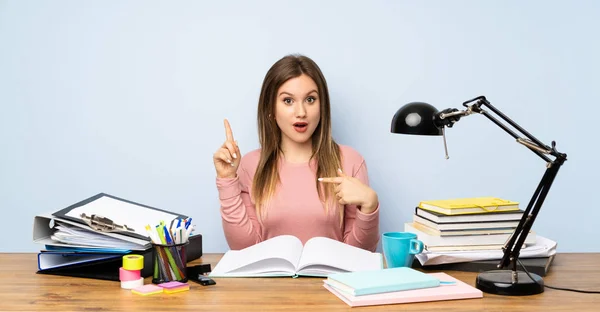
{"x": 459, "y": 206}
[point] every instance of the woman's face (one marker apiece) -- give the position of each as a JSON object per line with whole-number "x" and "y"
{"x": 297, "y": 110}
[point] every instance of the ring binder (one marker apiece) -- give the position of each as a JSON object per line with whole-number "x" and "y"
{"x": 104, "y": 224}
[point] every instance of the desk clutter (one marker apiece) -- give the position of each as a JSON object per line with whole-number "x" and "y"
{"x": 129, "y": 275}
{"x": 103, "y": 237}
{"x": 91, "y": 238}
{"x": 461, "y": 233}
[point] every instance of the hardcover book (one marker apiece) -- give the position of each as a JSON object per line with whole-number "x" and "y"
{"x": 460, "y": 206}
{"x": 381, "y": 281}
{"x": 441, "y": 218}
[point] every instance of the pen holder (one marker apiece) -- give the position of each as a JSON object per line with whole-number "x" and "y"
{"x": 169, "y": 263}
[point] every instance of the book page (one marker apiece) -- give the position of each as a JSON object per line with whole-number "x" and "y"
{"x": 275, "y": 256}
{"x": 323, "y": 255}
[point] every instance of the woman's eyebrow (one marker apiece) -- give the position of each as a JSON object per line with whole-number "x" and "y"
{"x": 290, "y": 94}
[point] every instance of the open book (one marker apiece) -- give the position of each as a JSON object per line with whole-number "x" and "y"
{"x": 285, "y": 256}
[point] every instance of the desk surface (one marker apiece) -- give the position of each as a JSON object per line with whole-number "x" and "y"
{"x": 22, "y": 289}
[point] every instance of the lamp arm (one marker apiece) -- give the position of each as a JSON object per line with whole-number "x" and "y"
{"x": 482, "y": 101}
{"x": 513, "y": 246}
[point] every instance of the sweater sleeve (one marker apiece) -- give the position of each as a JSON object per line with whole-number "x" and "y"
{"x": 360, "y": 229}
{"x": 240, "y": 224}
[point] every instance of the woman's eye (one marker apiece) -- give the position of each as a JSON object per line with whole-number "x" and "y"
{"x": 287, "y": 101}
{"x": 311, "y": 99}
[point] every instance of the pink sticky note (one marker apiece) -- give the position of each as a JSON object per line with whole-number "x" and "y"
{"x": 147, "y": 289}
{"x": 171, "y": 285}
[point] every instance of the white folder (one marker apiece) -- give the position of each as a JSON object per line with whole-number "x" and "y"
{"x": 120, "y": 211}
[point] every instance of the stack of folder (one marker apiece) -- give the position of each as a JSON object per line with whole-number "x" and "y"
{"x": 89, "y": 238}
{"x": 396, "y": 285}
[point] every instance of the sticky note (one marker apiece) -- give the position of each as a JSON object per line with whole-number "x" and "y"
{"x": 173, "y": 287}
{"x": 147, "y": 290}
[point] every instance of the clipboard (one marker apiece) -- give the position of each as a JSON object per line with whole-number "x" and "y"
{"x": 119, "y": 212}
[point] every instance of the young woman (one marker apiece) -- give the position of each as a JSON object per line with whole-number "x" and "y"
{"x": 300, "y": 182}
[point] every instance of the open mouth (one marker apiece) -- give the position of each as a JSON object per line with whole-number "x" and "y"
{"x": 300, "y": 126}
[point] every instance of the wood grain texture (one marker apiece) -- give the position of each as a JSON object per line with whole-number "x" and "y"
{"x": 23, "y": 290}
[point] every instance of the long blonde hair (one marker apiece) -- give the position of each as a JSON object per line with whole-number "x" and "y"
{"x": 325, "y": 150}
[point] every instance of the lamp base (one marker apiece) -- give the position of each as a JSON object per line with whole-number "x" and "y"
{"x": 499, "y": 282}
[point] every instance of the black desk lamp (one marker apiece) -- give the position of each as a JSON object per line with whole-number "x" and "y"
{"x": 424, "y": 119}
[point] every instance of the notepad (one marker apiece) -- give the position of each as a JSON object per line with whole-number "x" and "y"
{"x": 458, "y": 290}
{"x": 381, "y": 281}
{"x": 146, "y": 290}
{"x": 174, "y": 287}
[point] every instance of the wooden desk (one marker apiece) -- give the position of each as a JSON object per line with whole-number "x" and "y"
{"x": 21, "y": 289}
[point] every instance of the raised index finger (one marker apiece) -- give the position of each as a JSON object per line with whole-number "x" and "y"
{"x": 228, "y": 132}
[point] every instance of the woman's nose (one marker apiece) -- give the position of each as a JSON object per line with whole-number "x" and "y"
{"x": 300, "y": 110}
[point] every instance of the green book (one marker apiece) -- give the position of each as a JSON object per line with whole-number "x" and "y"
{"x": 381, "y": 281}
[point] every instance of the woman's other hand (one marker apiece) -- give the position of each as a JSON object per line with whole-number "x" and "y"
{"x": 351, "y": 191}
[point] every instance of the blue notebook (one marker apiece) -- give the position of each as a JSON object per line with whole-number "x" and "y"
{"x": 381, "y": 281}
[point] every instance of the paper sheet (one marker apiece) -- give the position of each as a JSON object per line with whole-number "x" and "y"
{"x": 543, "y": 247}
{"x": 123, "y": 213}
{"x": 79, "y": 237}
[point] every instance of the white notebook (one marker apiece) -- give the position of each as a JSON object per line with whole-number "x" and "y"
{"x": 286, "y": 256}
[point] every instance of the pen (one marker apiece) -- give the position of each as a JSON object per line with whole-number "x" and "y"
{"x": 152, "y": 234}
{"x": 174, "y": 254}
{"x": 161, "y": 235}
{"x": 167, "y": 241}
{"x": 171, "y": 225}
{"x": 188, "y": 231}
{"x": 167, "y": 236}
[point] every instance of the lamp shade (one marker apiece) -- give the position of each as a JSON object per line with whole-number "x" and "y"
{"x": 416, "y": 118}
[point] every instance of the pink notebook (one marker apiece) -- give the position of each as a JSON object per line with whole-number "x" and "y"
{"x": 460, "y": 290}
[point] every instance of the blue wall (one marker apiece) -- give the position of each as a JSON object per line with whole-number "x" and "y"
{"x": 128, "y": 98}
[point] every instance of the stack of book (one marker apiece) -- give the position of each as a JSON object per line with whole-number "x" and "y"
{"x": 480, "y": 223}
{"x": 468, "y": 234}
{"x": 396, "y": 285}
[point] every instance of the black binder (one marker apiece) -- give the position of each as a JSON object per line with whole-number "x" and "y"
{"x": 108, "y": 269}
